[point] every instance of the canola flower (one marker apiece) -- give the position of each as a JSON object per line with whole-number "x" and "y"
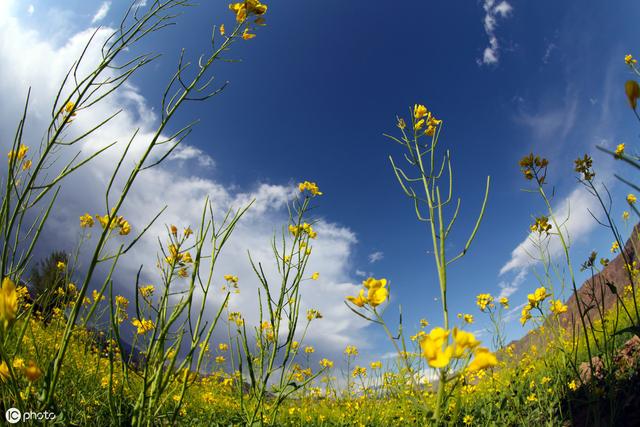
{"x": 631, "y": 198}
{"x": 632, "y": 90}
{"x": 311, "y": 187}
{"x": 143, "y": 325}
{"x": 376, "y": 293}
{"x": 619, "y": 150}
{"x": 630, "y": 60}
{"x": 86, "y": 220}
{"x": 483, "y": 301}
{"x": 246, "y": 8}
{"x": 8, "y": 302}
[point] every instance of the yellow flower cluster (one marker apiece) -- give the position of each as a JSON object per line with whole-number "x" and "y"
{"x": 19, "y": 155}
{"x": 233, "y": 282}
{"x": 619, "y": 150}
{"x": 377, "y": 293}
{"x": 107, "y": 221}
{"x": 558, "y": 307}
{"x": 246, "y": 8}
{"x": 351, "y": 350}
{"x": 484, "y": 300}
{"x": 534, "y": 167}
{"x": 304, "y": 228}
{"x": 147, "y": 291}
{"x": 629, "y": 60}
{"x": 312, "y": 313}
{"x": 143, "y": 325}
{"x": 439, "y": 353}
{"x": 534, "y": 301}
{"x": 311, "y": 187}
{"x": 423, "y": 117}
{"x": 541, "y": 225}
{"x": 326, "y": 363}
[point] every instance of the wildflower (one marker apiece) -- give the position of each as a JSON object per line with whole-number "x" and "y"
{"x": 18, "y": 363}
{"x": 147, "y": 291}
{"x": 4, "y": 371}
{"x": 32, "y": 372}
{"x": 313, "y": 314}
{"x": 629, "y": 60}
{"x": 534, "y": 167}
{"x": 8, "y": 301}
{"x": 315, "y": 276}
{"x": 467, "y": 420}
{"x": 468, "y": 318}
{"x": 526, "y": 314}
{"x": 183, "y": 272}
{"x": 419, "y": 111}
{"x": 483, "y": 359}
{"x": 625, "y": 215}
{"x": 27, "y": 165}
{"x": 20, "y": 154}
{"x": 619, "y": 150}
{"x": 223, "y": 346}
{"x": 424, "y": 323}
{"x": 60, "y": 265}
{"x": 122, "y": 301}
{"x": 573, "y": 386}
{"x": 483, "y": 301}
{"x": 220, "y": 360}
{"x": 504, "y": 301}
{"x": 558, "y": 307}
{"x": 631, "y": 198}
{"x": 401, "y": 123}
{"x": 97, "y": 296}
{"x": 614, "y": 247}
{"x": 538, "y": 296}
{"x": 326, "y": 363}
{"x": 309, "y": 349}
{"x": 532, "y": 398}
{"x": 632, "y": 91}
{"x": 312, "y": 187}
{"x": 187, "y": 232}
{"x": 418, "y": 125}
{"x": 376, "y": 365}
{"x": 144, "y": 325}
{"x": 351, "y": 350}
{"x": 584, "y": 166}
{"x": 378, "y": 292}
{"x": 431, "y": 345}
{"x": 541, "y": 225}
{"x": 545, "y": 380}
{"x": 246, "y": 35}
{"x": 359, "y": 371}
{"x": 360, "y": 300}
{"x": 86, "y": 220}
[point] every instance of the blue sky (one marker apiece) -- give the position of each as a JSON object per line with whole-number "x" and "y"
{"x": 322, "y": 81}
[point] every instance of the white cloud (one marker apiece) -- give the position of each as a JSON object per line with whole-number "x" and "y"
{"x": 493, "y": 11}
{"x": 376, "y": 256}
{"x": 31, "y": 9}
{"x": 30, "y": 59}
{"x": 102, "y": 11}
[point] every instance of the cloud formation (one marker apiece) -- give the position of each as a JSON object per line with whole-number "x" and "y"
{"x": 101, "y": 13}
{"x": 493, "y": 12}
{"x": 376, "y": 256}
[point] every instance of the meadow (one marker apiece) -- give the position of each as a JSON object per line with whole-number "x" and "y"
{"x": 71, "y": 345}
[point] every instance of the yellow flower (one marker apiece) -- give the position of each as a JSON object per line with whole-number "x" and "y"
{"x": 309, "y": 349}
{"x": 468, "y": 318}
{"x": 326, "y": 363}
{"x": 4, "y": 371}
{"x": 467, "y": 420}
{"x": 351, "y": 350}
{"x": 61, "y": 265}
{"x": 32, "y": 372}
{"x": 376, "y": 365}
{"x": 631, "y": 198}
{"x": 27, "y": 165}
{"x": 614, "y": 247}
{"x": 573, "y": 386}
{"x": 8, "y": 301}
{"x": 143, "y": 325}
{"x": 312, "y": 187}
{"x": 619, "y": 150}
{"x": 18, "y": 363}
{"x": 532, "y": 398}
{"x": 463, "y": 341}
{"x": 632, "y": 91}
{"x": 378, "y": 291}
{"x": 401, "y": 123}
{"x": 246, "y": 35}
{"x": 424, "y": 323}
{"x": 504, "y": 301}
{"x": 431, "y": 345}
{"x": 20, "y": 154}
{"x": 419, "y": 111}
{"x": 538, "y": 296}
{"x": 315, "y": 276}
{"x": 629, "y": 60}
{"x": 625, "y": 215}
{"x": 418, "y": 125}
{"x": 222, "y": 29}
{"x": 483, "y": 359}
{"x": 483, "y": 301}
{"x": 147, "y": 291}
{"x": 558, "y": 307}
{"x": 360, "y": 300}
{"x": 220, "y": 360}
{"x": 86, "y": 220}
